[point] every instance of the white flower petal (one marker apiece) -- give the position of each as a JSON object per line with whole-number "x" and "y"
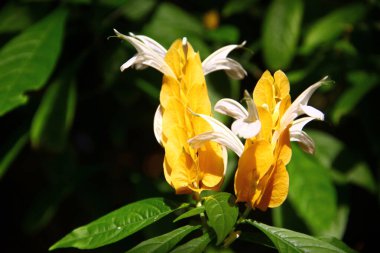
{"x": 219, "y": 61}
{"x": 304, "y": 140}
{"x": 157, "y": 125}
{"x": 231, "y": 108}
{"x": 221, "y": 134}
{"x": 312, "y": 112}
{"x": 298, "y": 124}
{"x": 129, "y": 63}
{"x": 148, "y": 54}
{"x": 154, "y": 45}
{"x": 298, "y": 108}
{"x": 245, "y": 129}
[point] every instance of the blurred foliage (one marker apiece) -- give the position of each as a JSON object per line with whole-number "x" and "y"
{"x": 76, "y": 134}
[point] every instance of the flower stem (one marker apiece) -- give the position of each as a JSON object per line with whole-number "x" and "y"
{"x": 236, "y": 233}
{"x": 203, "y": 218}
{"x": 201, "y": 215}
{"x": 245, "y": 214}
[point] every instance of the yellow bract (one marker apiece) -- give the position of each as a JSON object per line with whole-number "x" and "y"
{"x": 261, "y": 178}
{"x": 187, "y": 169}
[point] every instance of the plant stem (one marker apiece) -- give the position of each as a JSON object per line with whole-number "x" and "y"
{"x": 203, "y": 218}
{"x": 245, "y": 214}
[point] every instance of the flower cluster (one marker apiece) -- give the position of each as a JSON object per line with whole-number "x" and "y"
{"x": 195, "y": 143}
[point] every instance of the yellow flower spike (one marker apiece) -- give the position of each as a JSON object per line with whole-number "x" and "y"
{"x": 183, "y": 95}
{"x": 261, "y": 178}
{"x": 187, "y": 169}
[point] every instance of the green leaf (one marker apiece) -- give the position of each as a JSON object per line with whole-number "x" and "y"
{"x": 361, "y": 175}
{"x": 290, "y": 241}
{"x": 224, "y": 34}
{"x": 116, "y": 225}
{"x": 54, "y": 117}
{"x": 353, "y": 170}
{"x": 192, "y": 212}
{"x": 281, "y": 29}
{"x": 136, "y": 10}
{"x": 27, "y": 61}
{"x": 327, "y": 147}
{"x": 14, "y": 18}
{"x": 222, "y": 213}
{"x": 165, "y": 242}
{"x": 12, "y": 153}
{"x": 234, "y": 7}
{"x": 339, "y": 226}
{"x": 337, "y": 243}
{"x": 311, "y": 191}
{"x": 361, "y": 83}
{"x": 195, "y": 245}
{"x": 332, "y": 25}
{"x": 169, "y": 22}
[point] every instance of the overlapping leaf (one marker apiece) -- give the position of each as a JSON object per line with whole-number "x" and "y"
{"x": 27, "y": 61}
{"x": 194, "y": 246}
{"x": 222, "y": 213}
{"x": 288, "y": 241}
{"x": 165, "y": 242}
{"x": 116, "y": 225}
{"x": 54, "y": 116}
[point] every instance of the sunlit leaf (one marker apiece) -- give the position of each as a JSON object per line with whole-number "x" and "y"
{"x": 53, "y": 119}
{"x": 222, "y": 213}
{"x": 361, "y": 83}
{"x": 192, "y": 212}
{"x": 165, "y": 242}
{"x": 337, "y": 243}
{"x": 27, "y": 61}
{"x": 116, "y": 225}
{"x": 311, "y": 191}
{"x": 288, "y": 241}
{"x": 332, "y": 25}
{"x": 280, "y": 32}
{"x": 195, "y": 245}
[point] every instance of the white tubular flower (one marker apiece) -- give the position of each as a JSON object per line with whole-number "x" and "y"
{"x": 247, "y": 123}
{"x": 157, "y": 124}
{"x": 219, "y": 61}
{"x": 220, "y": 134}
{"x": 297, "y": 135}
{"x": 300, "y": 107}
{"x": 149, "y": 54}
